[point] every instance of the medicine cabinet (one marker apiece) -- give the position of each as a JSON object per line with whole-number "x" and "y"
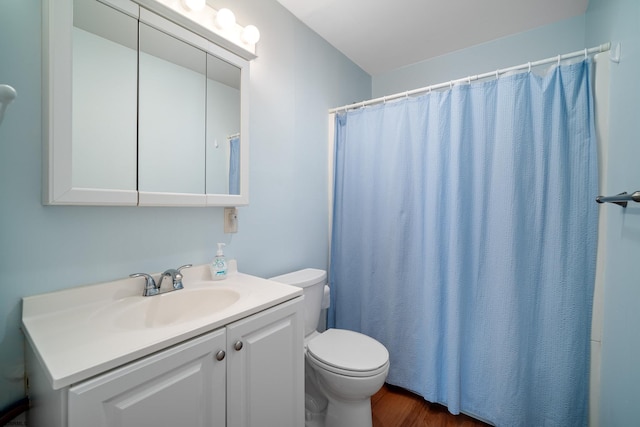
{"x": 139, "y": 110}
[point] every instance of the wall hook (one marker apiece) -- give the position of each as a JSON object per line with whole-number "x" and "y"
{"x": 614, "y": 54}
{"x": 7, "y": 94}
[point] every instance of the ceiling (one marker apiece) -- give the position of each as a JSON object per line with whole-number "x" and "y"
{"x": 382, "y": 35}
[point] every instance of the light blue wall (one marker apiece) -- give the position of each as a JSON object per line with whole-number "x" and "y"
{"x": 543, "y": 42}
{"x": 295, "y": 80}
{"x": 619, "y": 21}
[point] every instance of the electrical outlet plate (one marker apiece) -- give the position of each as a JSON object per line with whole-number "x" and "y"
{"x": 230, "y": 220}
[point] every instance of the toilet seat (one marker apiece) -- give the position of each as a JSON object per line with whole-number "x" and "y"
{"x": 344, "y": 372}
{"x": 348, "y": 353}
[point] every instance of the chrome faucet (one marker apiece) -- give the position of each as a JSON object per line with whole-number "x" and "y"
{"x": 151, "y": 289}
{"x": 176, "y": 277}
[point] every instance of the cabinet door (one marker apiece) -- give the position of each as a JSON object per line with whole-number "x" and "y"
{"x": 89, "y": 102}
{"x": 181, "y": 386}
{"x": 265, "y": 368}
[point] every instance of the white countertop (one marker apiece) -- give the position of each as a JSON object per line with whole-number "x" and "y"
{"x": 76, "y": 333}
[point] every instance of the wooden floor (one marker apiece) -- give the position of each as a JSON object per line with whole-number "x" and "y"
{"x": 396, "y": 407}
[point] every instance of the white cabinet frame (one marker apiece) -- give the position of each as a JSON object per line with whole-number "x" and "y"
{"x": 57, "y": 187}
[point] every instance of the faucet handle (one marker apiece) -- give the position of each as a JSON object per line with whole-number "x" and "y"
{"x": 185, "y": 266}
{"x": 150, "y": 287}
{"x": 177, "y": 283}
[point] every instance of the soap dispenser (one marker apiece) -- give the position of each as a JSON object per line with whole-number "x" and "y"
{"x": 219, "y": 264}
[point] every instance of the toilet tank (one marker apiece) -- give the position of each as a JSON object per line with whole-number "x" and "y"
{"x": 312, "y": 282}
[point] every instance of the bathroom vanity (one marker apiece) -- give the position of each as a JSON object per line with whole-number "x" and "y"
{"x": 216, "y": 353}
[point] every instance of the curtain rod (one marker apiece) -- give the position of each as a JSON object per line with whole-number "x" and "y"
{"x": 592, "y": 51}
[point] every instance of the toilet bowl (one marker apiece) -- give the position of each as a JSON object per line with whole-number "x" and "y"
{"x": 343, "y": 369}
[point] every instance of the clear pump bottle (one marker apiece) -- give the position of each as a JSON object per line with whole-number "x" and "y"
{"x": 219, "y": 264}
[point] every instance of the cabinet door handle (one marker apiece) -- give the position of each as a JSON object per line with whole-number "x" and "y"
{"x": 238, "y": 345}
{"x": 220, "y": 355}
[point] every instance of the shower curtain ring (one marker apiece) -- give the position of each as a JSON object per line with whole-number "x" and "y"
{"x": 529, "y": 66}
{"x": 559, "y": 57}
{"x": 586, "y": 54}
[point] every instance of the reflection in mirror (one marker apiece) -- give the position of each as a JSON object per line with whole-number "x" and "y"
{"x": 104, "y": 97}
{"x": 223, "y": 127}
{"x": 171, "y": 114}
{"x": 234, "y": 164}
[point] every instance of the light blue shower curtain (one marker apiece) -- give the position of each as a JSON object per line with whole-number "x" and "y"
{"x": 464, "y": 239}
{"x": 234, "y": 165}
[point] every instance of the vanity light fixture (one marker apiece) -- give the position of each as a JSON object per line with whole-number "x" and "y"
{"x": 221, "y": 22}
{"x": 225, "y": 19}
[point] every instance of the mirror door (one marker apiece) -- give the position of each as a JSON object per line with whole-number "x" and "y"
{"x": 223, "y": 127}
{"x": 104, "y": 98}
{"x": 171, "y": 119}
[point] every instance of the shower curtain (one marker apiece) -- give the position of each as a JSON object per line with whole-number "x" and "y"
{"x": 234, "y": 165}
{"x": 464, "y": 239}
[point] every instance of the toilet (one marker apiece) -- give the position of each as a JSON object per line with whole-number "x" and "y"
{"x": 343, "y": 369}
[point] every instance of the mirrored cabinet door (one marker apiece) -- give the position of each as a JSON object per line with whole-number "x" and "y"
{"x": 227, "y": 130}
{"x": 90, "y": 92}
{"x": 104, "y": 98}
{"x": 223, "y": 127}
{"x": 171, "y": 117}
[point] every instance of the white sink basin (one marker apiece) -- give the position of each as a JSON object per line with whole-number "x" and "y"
{"x": 172, "y": 307}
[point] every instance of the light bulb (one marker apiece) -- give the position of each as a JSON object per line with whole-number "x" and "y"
{"x": 194, "y": 5}
{"x": 250, "y": 34}
{"x": 225, "y": 19}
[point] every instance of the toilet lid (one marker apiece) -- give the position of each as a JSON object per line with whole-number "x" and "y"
{"x": 348, "y": 350}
